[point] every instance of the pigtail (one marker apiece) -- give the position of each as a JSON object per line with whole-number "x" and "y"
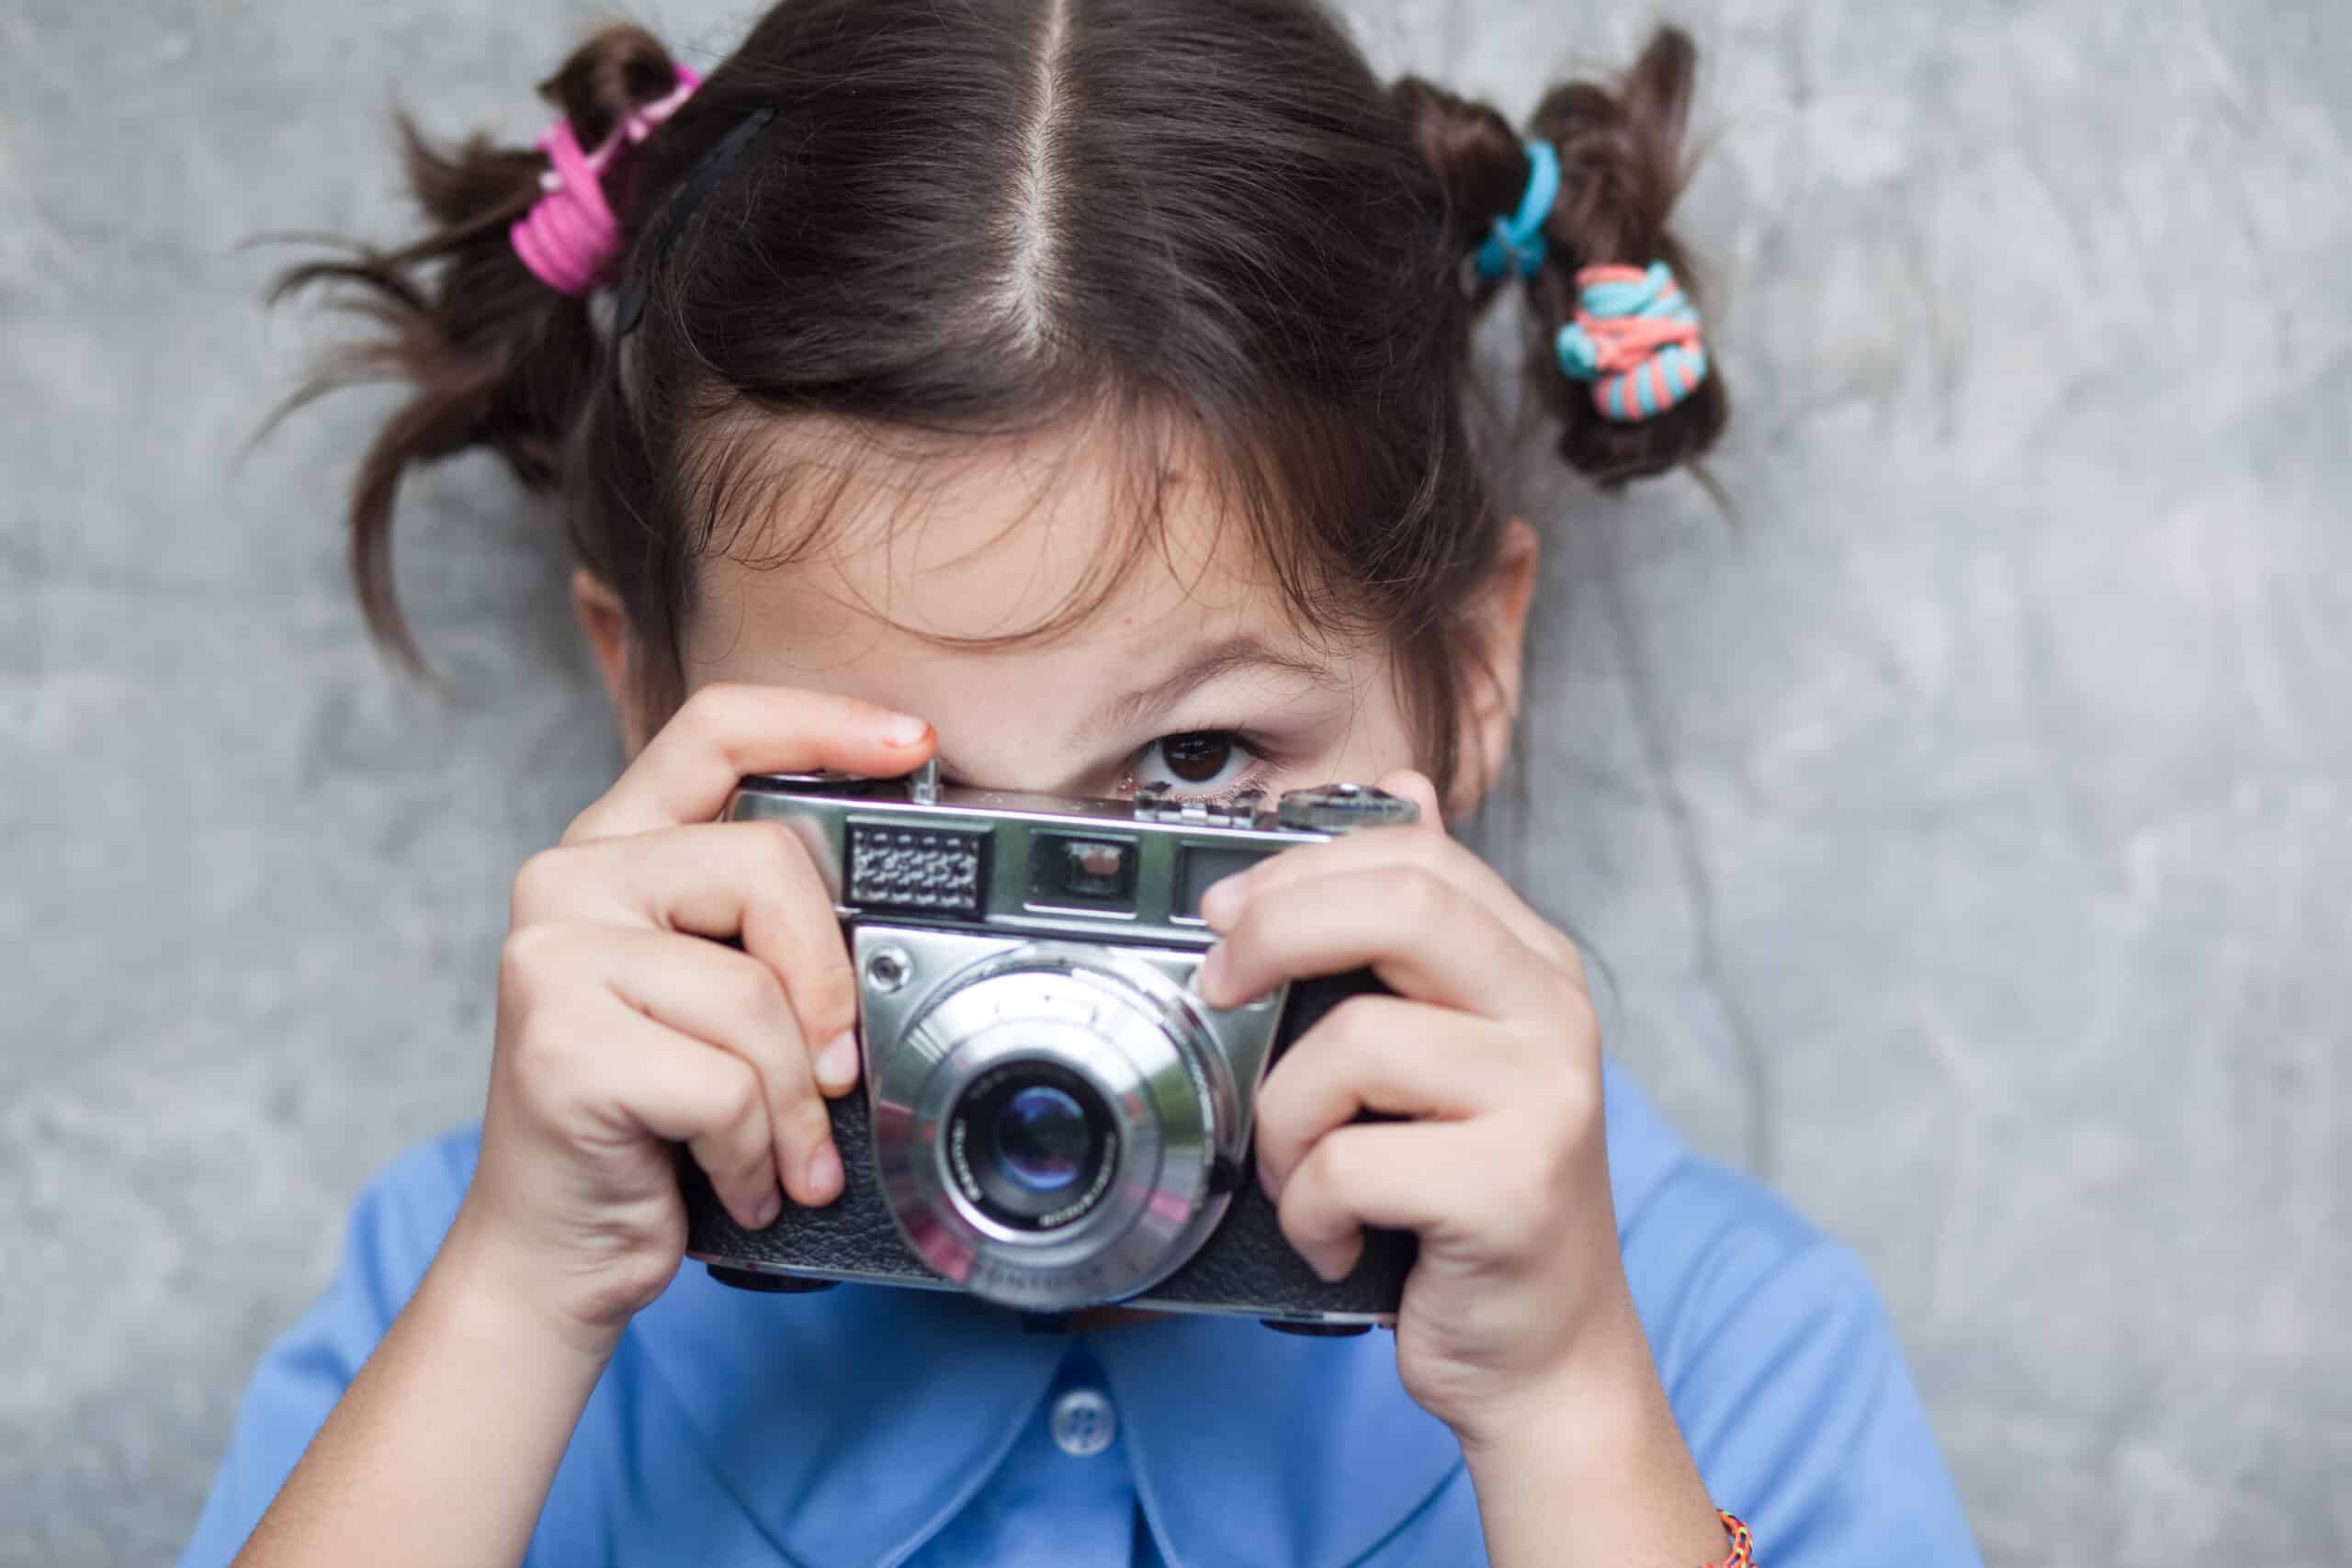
{"x": 1621, "y": 168}
{"x": 493, "y": 354}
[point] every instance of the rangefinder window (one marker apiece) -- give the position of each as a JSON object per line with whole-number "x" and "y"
{"x": 1202, "y": 866}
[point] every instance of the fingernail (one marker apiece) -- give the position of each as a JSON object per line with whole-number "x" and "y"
{"x": 765, "y": 1214}
{"x": 1209, "y": 978}
{"x": 1222, "y": 901}
{"x": 825, "y": 1173}
{"x": 837, "y": 1063}
{"x": 903, "y": 729}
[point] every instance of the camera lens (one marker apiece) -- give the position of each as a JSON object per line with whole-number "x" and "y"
{"x": 1041, "y": 1137}
{"x": 1032, "y": 1145}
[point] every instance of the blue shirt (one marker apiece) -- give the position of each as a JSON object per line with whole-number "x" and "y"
{"x": 866, "y": 1426}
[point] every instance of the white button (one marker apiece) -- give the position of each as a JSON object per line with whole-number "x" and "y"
{"x": 1083, "y": 1422}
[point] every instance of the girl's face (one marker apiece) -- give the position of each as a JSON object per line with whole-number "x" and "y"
{"x": 1191, "y": 673}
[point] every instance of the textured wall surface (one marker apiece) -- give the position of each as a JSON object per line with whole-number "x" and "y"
{"x": 1965, "y": 828}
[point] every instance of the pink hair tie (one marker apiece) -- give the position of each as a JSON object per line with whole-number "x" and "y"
{"x": 570, "y": 235}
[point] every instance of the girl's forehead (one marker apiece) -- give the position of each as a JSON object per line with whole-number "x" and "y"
{"x": 1090, "y": 536}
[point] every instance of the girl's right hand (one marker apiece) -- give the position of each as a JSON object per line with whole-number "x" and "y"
{"x": 623, "y": 1028}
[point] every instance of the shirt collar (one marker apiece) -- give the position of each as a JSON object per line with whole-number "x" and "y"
{"x": 1250, "y": 1446}
{"x": 854, "y": 1423}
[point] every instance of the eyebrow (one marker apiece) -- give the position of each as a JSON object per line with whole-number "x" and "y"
{"x": 1235, "y": 653}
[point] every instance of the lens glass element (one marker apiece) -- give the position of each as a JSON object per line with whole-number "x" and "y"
{"x": 1041, "y": 1137}
{"x": 1032, "y": 1145}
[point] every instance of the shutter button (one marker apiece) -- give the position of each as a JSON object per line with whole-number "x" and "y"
{"x": 1083, "y": 1422}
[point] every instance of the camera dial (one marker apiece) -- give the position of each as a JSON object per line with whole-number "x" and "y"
{"x": 1344, "y": 808}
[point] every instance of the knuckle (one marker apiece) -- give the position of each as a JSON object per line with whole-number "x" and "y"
{"x": 1354, "y": 1026}
{"x": 823, "y": 986}
{"x": 734, "y": 1168}
{"x": 739, "y": 1107}
{"x": 708, "y": 708}
{"x": 1329, "y": 1166}
{"x": 1278, "y": 1120}
{"x": 550, "y": 1055}
{"x": 527, "y": 961}
{"x": 539, "y": 883}
{"x": 1360, "y": 1045}
{"x": 587, "y": 826}
{"x": 753, "y": 990}
{"x": 776, "y": 848}
{"x": 808, "y": 1120}
{"x": 1296, "y": 1212}
{"x": 1574, "y": 1109}
{"x": 734, "y": 1161}
{"x": 1263, "y": 933}
{"x": 792, "y": 1094}
{"x": 1560, "y": 1096}
{"x": 1416, "y": 897}
{"x": 1573, "y": 1018}
{"x": 1421, "y": 848}
{"x": 748, "y": 1153}
{"x": 831, "y": 992}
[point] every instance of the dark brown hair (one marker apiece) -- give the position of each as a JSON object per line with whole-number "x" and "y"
{"x": 1004, "y": 214}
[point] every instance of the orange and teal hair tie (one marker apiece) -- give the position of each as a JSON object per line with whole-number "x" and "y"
{"x": 1635, "y": 338}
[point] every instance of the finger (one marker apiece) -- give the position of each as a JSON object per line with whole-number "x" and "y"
{"x": 1382, "y": 1054}
{"x": 686, "y": 771}
{"x": 1416, "y": 787}
{"x": 1414, "y": 847}
{"x": 717, "y": 879}
{"x": 1415, "y": 1176}
{"x": 726, "y": 999}
{"x": 1419, "y": 933}
{"x": 603, "y": 1056}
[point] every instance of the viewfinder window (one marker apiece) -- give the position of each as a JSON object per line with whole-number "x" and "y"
{"x": 1088, "y": 873}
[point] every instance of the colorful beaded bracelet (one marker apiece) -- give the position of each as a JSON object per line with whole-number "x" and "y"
{"x": 1743, "y": 1544}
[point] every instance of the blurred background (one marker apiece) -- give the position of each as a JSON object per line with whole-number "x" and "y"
{"x": 1961, "y": 824}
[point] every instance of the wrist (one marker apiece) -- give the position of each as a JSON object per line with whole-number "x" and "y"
{"x": 1588, "y": 1464}
{"x": 1606, "y": 1384}
{"x": 488, "y": 1292}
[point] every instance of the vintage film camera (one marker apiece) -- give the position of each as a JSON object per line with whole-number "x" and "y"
{"x": 1048, "y": 1117}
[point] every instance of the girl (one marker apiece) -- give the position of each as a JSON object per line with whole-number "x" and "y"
{"x": 1075, "y": 391}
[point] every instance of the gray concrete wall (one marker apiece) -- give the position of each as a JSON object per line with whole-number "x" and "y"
{"x": 1964, "y": 829}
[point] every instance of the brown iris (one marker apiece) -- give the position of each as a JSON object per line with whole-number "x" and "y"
{"x": 1198, "y": 757}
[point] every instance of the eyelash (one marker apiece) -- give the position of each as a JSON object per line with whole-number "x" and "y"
{"x": 1249, "y": 745}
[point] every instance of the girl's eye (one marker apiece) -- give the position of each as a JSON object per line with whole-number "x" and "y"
{"x": 1199, "y": 763}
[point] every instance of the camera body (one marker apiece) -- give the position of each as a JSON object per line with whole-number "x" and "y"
{"x": 1048, "y": 1116}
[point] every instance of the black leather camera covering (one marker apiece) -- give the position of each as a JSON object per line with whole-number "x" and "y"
{"x": 1246, "y": 1265}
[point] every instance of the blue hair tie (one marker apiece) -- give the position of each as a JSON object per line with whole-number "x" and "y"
{"x": 1517, "y": 243}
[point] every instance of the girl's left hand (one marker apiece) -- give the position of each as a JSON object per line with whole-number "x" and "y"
{"x": 1490, "y": 1045}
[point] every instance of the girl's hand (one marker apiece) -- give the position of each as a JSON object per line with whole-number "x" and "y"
{"x": 621, "y": 1026}
{"x": 1519, "y": 1299}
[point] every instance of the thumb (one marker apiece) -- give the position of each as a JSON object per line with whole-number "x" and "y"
{"x": 1416, "y": 787}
